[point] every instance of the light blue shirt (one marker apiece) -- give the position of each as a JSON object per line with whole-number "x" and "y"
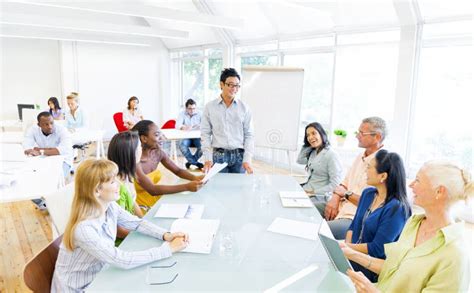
{"x": 227, "y": 127}
{"x": 75, "y": 122}
{"x": 185, "y": 119}
{"x": 325, "y": 169}
{"x": 60, "y": 139}
{"x": 94, "y": 241}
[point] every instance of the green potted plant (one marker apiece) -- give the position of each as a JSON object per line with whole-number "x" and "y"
{"x": 340, "y": 136}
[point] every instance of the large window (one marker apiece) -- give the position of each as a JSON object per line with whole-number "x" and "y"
{"x": 193, "y": 81}
{"x": 198, "y": 74}
{"x": 364, "y": 85}
{"x": 316, "y": 102}
{"x": 442, "y": 120}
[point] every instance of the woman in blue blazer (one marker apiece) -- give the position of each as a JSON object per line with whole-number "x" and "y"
{"x": 382, "y": 211}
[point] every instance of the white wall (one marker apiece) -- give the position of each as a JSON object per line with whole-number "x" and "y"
{"x": 30, "y": 74}
{"x": 105, "y": 76}
{"x": 108, "y": 75}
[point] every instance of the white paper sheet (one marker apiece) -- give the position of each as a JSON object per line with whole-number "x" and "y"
{"x": 216, "y": 168}
{"x": 195, "y": 211}
{"x": 178, "y": 211}
{"x": 296, "y": 202}
{"x": 295, "y": 199}
{"x": 201, "y": 233}
{"x": 294, "y": 228}
{"x": 172, "y": 210}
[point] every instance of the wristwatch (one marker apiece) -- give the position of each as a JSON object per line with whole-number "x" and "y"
{"x": 42, "y": 152}
{"x": 348, "y": 194}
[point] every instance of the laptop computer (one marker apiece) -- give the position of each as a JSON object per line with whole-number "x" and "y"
{"x": 334, "y": 252}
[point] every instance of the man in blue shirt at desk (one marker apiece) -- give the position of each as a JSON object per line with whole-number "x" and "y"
{"x": 226, "y": 128}
{"x": 190, "y": 119}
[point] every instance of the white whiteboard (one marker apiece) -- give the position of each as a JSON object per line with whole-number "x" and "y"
{"x": 274, "y": 97}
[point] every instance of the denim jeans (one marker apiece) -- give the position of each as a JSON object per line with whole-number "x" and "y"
{"x": 233, "y": 158}
{"x": 184, "y": 146}
{"x": 338, "y": 226}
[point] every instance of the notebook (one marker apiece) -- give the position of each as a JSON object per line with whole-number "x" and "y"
{"x": 201, "y": 233}
{"x": 295, "y": 199}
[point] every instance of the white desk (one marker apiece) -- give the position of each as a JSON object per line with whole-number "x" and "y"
{"x": 84, "y": 135}
{"x": 257, "y": 260}
{"x": 78, "y": 137}
{"x": 174, "y": 135}
{"x": 34, "y": 177}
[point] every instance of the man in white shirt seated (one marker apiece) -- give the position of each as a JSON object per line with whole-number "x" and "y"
{"x": 190, "y": 119}
{"x": 49, "y": 139}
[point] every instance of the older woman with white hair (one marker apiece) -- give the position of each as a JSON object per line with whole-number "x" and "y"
{"x": 430, "y": 254}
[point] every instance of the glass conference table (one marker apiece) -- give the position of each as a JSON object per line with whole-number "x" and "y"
{"x": 244, "y": 256}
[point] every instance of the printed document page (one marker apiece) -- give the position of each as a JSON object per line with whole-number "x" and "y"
{"x": 201, "y": 233}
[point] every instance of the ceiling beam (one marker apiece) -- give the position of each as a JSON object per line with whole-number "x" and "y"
{"x": 13, "y": 31}
{"x": 148, "y": 12}
{"x": 88, "y": 26}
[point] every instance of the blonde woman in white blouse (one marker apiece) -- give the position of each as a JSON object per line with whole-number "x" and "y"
{"x": 89, "y": 240}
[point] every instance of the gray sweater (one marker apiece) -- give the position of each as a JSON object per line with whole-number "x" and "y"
{"x": 325, "y": 170}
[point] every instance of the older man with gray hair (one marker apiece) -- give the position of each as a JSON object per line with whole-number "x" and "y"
{"x": 340, "y": 209}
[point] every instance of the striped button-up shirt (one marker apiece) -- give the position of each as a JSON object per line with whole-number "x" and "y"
{"x": 94, "y": 241}
{"x": 227, "y": 127}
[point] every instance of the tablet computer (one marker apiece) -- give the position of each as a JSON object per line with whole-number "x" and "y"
{"x": 335, "y": 254}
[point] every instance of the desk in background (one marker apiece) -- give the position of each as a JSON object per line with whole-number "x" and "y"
{"x": 34, "y": 177}
{"x": 258, "y": 260}
{"x": 174, "y": 135}
{"x": 80, "y": 136}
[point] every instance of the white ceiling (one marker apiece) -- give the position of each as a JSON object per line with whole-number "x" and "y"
{"x": 186, "y": 23}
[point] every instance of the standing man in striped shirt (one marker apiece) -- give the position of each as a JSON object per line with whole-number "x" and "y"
{"x": 227, "y": 129}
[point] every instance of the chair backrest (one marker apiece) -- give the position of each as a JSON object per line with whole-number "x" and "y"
{"x": 59, "y": 207}
{"x": 170, "y": 124}
{"x": 118, "y": 119}
{"x": 38, "y": 272}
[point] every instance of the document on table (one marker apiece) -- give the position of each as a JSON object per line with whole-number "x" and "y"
{"x": 294, "y": 228}
{"x": 173, "y": 210}
{"x": 295, "y": 199}
{"x": 216, "y": 168}
{"x": 201, "y": 233}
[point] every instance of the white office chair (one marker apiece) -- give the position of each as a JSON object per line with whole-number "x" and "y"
{"x": 59, "y": 207}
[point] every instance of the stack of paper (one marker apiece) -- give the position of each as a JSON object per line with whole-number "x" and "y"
{"x": 172, "y": 210}
{"x": 295, "y": 199}
{"x": 201, "y": 233}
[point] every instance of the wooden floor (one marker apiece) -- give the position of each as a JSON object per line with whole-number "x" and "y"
{"x": 24, "y": 231}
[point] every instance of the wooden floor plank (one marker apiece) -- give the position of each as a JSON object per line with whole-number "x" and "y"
{"x": 20, "y": 230}
{"x": 12, "y": 255}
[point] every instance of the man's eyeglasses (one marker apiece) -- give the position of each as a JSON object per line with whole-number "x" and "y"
{"x": 233, "y": 86}
{"x": 361, "y": 133}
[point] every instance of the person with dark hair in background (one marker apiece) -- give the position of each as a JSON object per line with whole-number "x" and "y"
{"x": 132, "y": 114}
{"x": 227, "y": 129}
{"x": 125, "y": 151}
{"x": 54, "y": 109}
{"x": 190, "y": 119}
{"x": 382, "y": 211}
{"x": 148, "y": 174}
{"x": 322, "y": 164}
